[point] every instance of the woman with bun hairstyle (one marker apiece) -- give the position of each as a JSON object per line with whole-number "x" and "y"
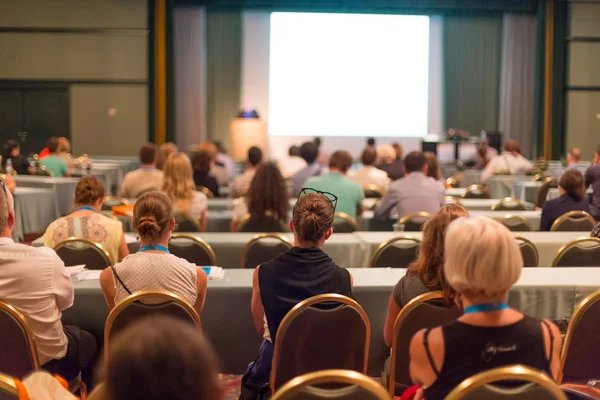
{"x": 153, "y": 267}
{"x": 86, "y": 222}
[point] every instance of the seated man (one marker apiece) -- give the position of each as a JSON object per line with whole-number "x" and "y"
{"x": 35, "y": 282}
{"x": 510, "y": 162}
{"x": 241, "y": 184}
{"x": 349, "y": 193}
{"x": 145, "y": 178}
{"x": 414, "y": 193}
{"x": 592, "y": 177}
{"x": 368, "y": 174}
{"x": 309, "y": 152}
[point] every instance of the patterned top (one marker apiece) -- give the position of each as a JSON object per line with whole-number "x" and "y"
{"x": 95, "y": 227}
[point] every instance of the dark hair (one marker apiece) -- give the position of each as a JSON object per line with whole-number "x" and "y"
{"x": 161, "y": 357}
{"x": 573, "y": 183}
{"x": 433, "y": 166}
{"x": 9, "y": 146}
{"x": 312, "y": 217}
{"x": 341, "y": 160}
{"x": 201, "y": 161}
{"x": 398, "y": 149}
{"x": 152, "y": 214}
{"x": 148, "y": 153}
{"x": 512, "y": 146}
{"x": 88, "y": 190}
{"x": 371, "y": 141}
{"x": 309, "y": 152}
{"x": 255, "y": 156}
{"x": 52, "y": 145}
{"x": 268, "y": 192}
{"x": 369, "y": 156}
{"x": 414, "y": 161}
{"x": 294, "y": 151}
{"x": 317, "y": 142}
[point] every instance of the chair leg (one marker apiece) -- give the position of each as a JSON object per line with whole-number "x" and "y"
{"x": 77, "y": 385}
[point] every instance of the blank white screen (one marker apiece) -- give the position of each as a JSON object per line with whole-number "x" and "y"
{"x": 348, "y": 75}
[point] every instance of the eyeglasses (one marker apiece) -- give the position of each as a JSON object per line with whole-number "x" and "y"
{"x": 330, "y": 196}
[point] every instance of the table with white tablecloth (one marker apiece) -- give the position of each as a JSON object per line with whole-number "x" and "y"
{"x": 527, "y": 190}
{"x": 63, "y": 188}
{"x": 35, "y": 209}
{"x": 501, "y": 186}
{"x": 471, "y": 177}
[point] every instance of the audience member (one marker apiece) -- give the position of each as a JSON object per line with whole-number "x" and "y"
{"x": 54, "y": 162}
{"x": 592, "y": 177}
{"x": 86, "y": 222}
{"x": 483, "y": 156}
{"x": 178, "y": 185}
{"x": 368, "y": 174}
{"x": 161, "y": 357}
{"x": 349, "y": 193}
{"x": 371, "y": 143}
{"x": 34, "y": 280}
{"x": 216, "y": 169}
{"x": 268, "y": 194}
{"x": 164, "y": 151}
{"x": 398, "y": 150}
{"x": 574, "y": 158}
{"x": 482, "y": 263}
{"x": 389, "y": 162}
{"x": 19, "y": 161}
{"x": 323, "y": 157}
{"x": 153, "y": 267}
{"x": 414, "y": 193}
{"x": 427, "y": 273}
{"x": 572, "y": 198}
{"x": 64, "y": 152}
{"x": 292, "y": 163}
{"x": 146, "y": 178}
{"x": 241, "y": 184}
{"x": 223, "y": 160}
{"x": 433, "y": 166}
{"x": 510, "y": 162}
{"x": 296, "y": 275}
{"x": 201, "y": 164}
{"x": 309, "y": 152}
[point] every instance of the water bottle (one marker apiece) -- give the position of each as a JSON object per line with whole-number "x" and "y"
{"x": 9, "y": 166}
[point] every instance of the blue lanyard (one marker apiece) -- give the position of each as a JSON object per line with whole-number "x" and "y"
{"x": 487, "y": 307}
{"x": 157, "y": 247}
{"x": 86, "y": 208}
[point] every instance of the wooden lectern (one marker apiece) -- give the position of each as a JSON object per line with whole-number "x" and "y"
{"x": 245, "y": 133}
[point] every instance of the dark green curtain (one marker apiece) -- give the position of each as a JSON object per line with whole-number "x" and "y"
{"x": 223, "y": 73}
{"x": 472, "y": 50}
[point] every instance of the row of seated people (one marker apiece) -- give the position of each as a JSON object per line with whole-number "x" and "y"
{"x": 481, "y": 262}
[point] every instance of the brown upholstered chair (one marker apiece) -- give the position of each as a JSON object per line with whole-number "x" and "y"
{"x": 186, "y": 223}
{"x": 414, "y": 222}
{"x": 515, "y": 223}
{"x": 267, "y": 223}
{"x": 112, "y": 201}
{"x": 343, "y": 223}
{"x": 574, "y": 221}
{"x": 582, "y": 252}
{"x": 18, "y": 354}
{"x": 192, "y": 249}
{"x": 263, "y": 248}
{"x": 509, "y": 204}
{"x": 334, "y": 332}
{"x": 543, "y": 190}
{"x": 418, "y": 314}
{"x": 476, "y": 192}
{"x": 398, "y": 252}
{"x": 8, "y": 388}
{"x": 529, "y": 252}
{"x": 77, "y": 251}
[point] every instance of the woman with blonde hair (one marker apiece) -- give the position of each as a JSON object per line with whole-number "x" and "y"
{"x": 427, "y": 273}
{"x": 178, "y": 185}
{"x": 164, "y": 151}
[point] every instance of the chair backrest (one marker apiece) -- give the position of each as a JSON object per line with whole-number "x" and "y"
{"x": 580, "y": 360}
{"x": 355, "y": 386}
{"x": 263, "y": 248}
{"x": 186, "y": 223}
{"x": 418, "y": 314}
{"x": 397, "y": 252}
{"x": 452, "y": 200}
{"x": 509, "y": 204}
{"x": 574, "y": 221}
{"x": 77, "y": 251}
{"x": 112, "y": 201}
{"x": 373, "y": 191}
{"x": 582, "y": 252}
{"x": 192, "y": 249}
{"x": 18, "y": 354}
{"x": 8, "y": 388}
{"x": 206, "y": 191}
{"x": 542, "y": 193}
{"x": 41, "y": 170}
{"x": 142, "y": 304}
{"x": 515, "y": 223}
{"x": 529, "y": 252}
{"x": 452, "y": 182}
{"x": 335, "y": 335}
{"x": 414, "y": 222}
{"x": 476, "y": 192}
{"x": 541, "y": 177}
{"x": 343, "y": 223}
{"x": 536, "y": 385}
{"x": 266, "y": 223}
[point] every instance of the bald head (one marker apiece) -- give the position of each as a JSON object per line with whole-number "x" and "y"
{"x": 512, "y": 147}
{"x": 574, "y": 156}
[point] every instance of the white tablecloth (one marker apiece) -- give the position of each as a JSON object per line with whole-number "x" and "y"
{"x": 501, "y": 186}
{"x": 35, "y": 209}
{"x": 64, "y": 189}
{"x": 471, "y": 177}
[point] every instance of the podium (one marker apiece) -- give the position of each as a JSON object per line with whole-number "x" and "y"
{"x": 245, "y": 133}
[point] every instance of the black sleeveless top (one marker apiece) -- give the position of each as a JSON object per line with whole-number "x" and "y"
{"x": 297, "y": 275}
{"x": 471, "y": 349}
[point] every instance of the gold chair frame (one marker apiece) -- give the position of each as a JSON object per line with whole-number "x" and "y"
{"x": 124, "y": 202}
{"x": 505, "y": 200}
{"x": 570, "y": 215}
{"x": 96, "y": 246}
{"x": 545, "y": 182}
{"x": 189, "y": 218}
{"x": 516, "y": 218}
{"x": 567, "y": 246}
{"x": 46, "y": 171}
{"x": 452, "y": 200}
{"x": 473, "y": 188}
{"x": 303, "y": 305}
{"x": 248, "y": 216}
{"x": 529, "y": 242}
{"x": 421, "y": 214}
{"x": 21, "y": 320}
{"x": 389, "y": 243}
{"x": 342, "y": 376}
{"x": 258, "y": 238}
{"x": 514, "y": 372}
{"x": 346, "y": 218}
{"x": 541, "y": 177}
{"x": 199, "y": 242}
{"x": 7, "y": 384}
{"x": 579, "y": 312}
{"x": 206, "y": 191}
{"x": 374, "y": 188}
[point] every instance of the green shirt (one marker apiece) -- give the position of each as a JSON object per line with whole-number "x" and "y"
{"x": 54, "y": 164}
{"x": 349, "y": 193}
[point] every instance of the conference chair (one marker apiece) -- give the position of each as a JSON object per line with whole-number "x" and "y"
{"x": 266, "y": 223}
{"x": 206, "y": 191}
{"x": 476, "y": 192}
{"x": 452, "y": 182}
{"x": 343, "y": 223}
{"x": 543, "y": 190}
{"x": 78, "y": 251}
{"x": 113, "y": 201}
{"x": 186, "y": 223}
{"x": 8, "y": 388}
{"x": 515, "y": 223}
{"x": 354, "y": 386}
{"x": 334, "y": 333}
{"x": 424, "y": 311}
{"x": 192, "y": 249}
{"x": 452, "y": 200}
{"x": 529, "y": 252}
{"x": 582, "y": 252}
{"x": 580, "y": 360}
{"x": 509, "y": 204}
{"x": 373, "y": 191}
{"x": 263, "y": 248}
{"x": 18, "y": 354}
{"x": 142, "y": 304}
{"x": 541, "y": 177}
{"x": 574, "y": 221}
{"x": 398, "y": 252}
{"x": 414, "y": 222}
{"x": 43, "y": 171}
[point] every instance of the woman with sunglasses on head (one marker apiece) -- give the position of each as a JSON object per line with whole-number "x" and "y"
{"x": 296, "y": 275}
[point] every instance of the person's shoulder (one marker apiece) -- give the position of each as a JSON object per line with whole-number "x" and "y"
{"x": 199, "y": 196}
{"x": 551, "y": 204}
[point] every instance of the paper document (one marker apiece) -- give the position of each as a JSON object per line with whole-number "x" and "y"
{"x": 87, "y": 275}
{"x": 75, "y": 269}
{"x": 214, "y": 272}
